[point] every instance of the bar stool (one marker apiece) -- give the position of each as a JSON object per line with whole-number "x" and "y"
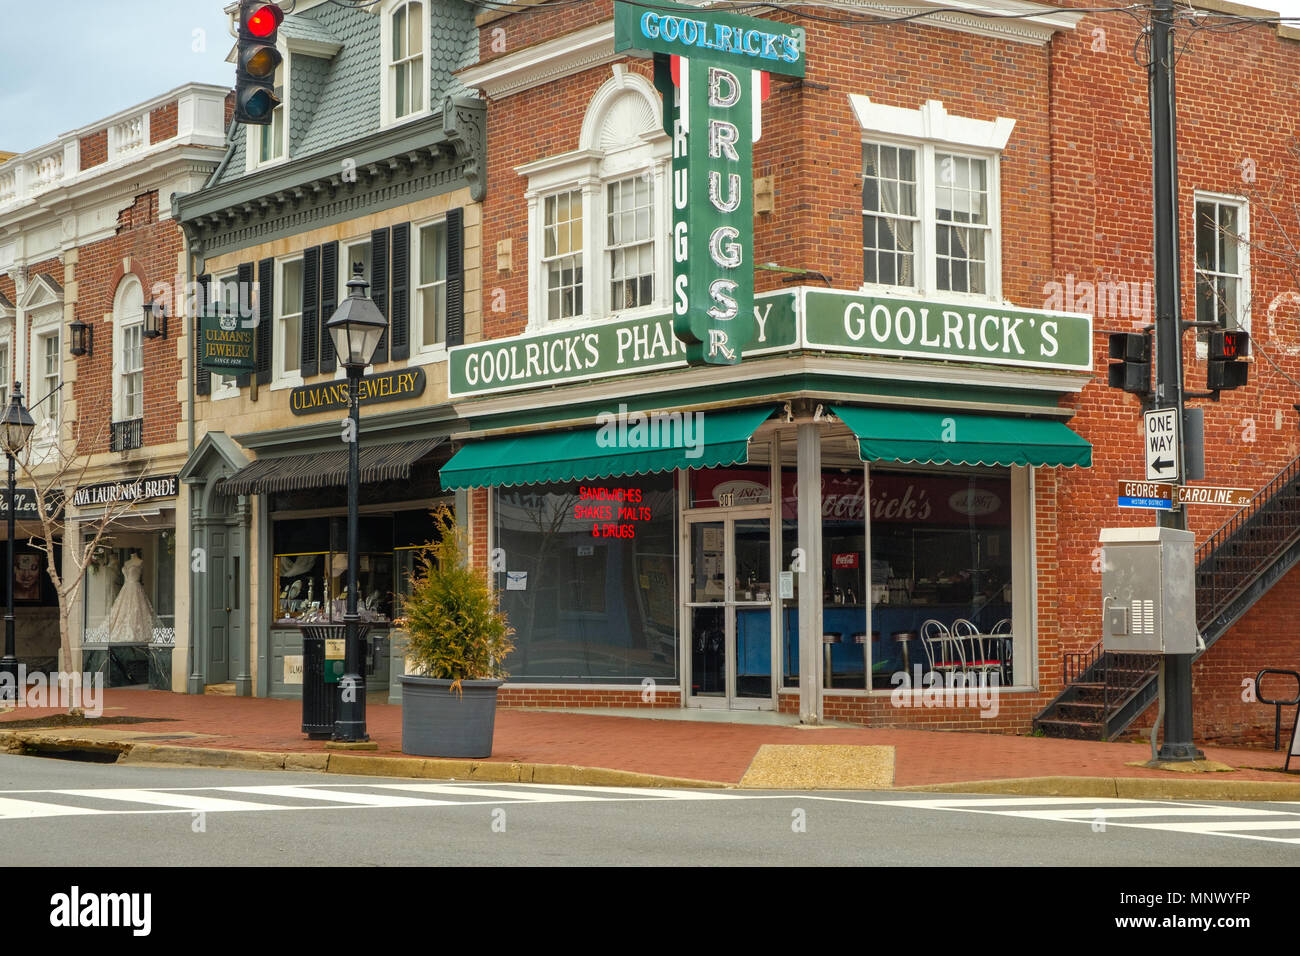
{"x": 860, "y": 637}
{"x": 905, "y": 638}
{"x": 828, "y": 638}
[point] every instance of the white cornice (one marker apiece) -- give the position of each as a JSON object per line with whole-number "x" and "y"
{"x": 532, "y": 66}
{"x": 1036, "y": 22}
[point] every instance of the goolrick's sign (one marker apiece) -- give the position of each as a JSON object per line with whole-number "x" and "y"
{"x": 792, "y": 320}
{"x": 712, "y": 71}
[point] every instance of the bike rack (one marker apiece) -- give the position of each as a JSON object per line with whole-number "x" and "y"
{"x": 1278, "y": 705}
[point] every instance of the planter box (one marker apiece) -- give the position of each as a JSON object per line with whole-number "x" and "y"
{"x": 397, "y": 641}
{"x": 438, "y": 722}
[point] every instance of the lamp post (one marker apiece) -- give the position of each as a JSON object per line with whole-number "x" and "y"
{"x": 15, "y": 427}
{"x": 355, "y": 328}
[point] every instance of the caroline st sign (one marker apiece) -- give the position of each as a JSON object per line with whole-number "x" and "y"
{"x": 807, "y": 319}
{"x": 712, "y": 69}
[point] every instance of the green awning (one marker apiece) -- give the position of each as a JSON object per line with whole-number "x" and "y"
{"x": 661, "y": 444}
{"x": 956, "y": 438}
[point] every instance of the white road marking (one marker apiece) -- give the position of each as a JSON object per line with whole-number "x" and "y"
{"x": 514, "y": 795}
{"x": 181, "y": 800}
{"x": 26, "y": 809}
{"x": 336, "y": 796}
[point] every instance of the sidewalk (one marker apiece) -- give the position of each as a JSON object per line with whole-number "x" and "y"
{"x": 708, "y": 751}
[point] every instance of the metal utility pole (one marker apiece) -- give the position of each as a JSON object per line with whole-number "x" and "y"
{"x": 1168, "y": 339}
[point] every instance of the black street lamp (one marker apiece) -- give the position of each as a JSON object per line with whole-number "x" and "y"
{"x": 15, "y": 427}
{"x": 356, "y": 328}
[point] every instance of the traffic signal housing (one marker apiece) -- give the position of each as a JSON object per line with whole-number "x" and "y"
{"x": 1226, "y": 368}
{"x": 1132, "y": 372}
{"x": 256, "y": 62}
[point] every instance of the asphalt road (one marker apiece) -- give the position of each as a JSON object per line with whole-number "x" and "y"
{"x": 55, "y": 812}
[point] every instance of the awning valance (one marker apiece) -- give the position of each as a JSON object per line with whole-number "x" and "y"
{"x": 662, "y": 442}
{"x": 326, "y": 469}
{"x": 957, "y": 438}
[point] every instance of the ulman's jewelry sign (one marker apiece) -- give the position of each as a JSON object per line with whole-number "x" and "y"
{"x": 226, "y": 341}
{"x": 111, "y": 492}
{"x": 712, "y": 69}
{"x": 384, "y": 387}
{"x": 801, "y": 319}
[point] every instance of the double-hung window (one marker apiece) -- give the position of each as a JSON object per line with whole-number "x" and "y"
{"x": 128, "y": 350}
{"x": 930, "y": 215}
{"x": 629, "y": 209}
{"x": 4, "y": 375}
{"x": 132, "y": 373}
{"x": 406, "y": 59}
{"x": 1222, "y": 261}
{"x": 49, "y": 370}
{"x": 431, "y": 285}
{"x": 562, "y": 254}
{"x": 288, "y": 319}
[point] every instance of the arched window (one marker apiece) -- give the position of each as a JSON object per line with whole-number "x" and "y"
{"x": 128, "y": 350}
{"x": 598, "y": 220}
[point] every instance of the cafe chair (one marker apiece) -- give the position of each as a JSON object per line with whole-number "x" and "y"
{"x": 1002, "y": 633}
{"x": 981, "y": 660}
{"x": 942, "y": 652}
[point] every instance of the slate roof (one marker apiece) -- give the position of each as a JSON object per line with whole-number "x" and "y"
{"x": 336, "y": 100}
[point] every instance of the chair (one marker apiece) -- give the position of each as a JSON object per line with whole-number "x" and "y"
{"x": 942, "y": 652}
{"x": 1002, "y": 633}
{"x": 981, "y": 661}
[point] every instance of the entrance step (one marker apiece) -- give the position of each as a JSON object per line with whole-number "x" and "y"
{"x": 222, "y": 690}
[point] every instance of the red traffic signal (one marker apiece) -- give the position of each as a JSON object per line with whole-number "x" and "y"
{"x": 1224, "y": 369}
{"x": 1229, "y": 346}
{"x": 256, "y": 62}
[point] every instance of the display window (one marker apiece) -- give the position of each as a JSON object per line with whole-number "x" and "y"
{"x": 130, "y": 589}
{"x": 589, "y": 579}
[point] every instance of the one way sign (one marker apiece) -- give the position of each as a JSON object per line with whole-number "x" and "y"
{"x": 1161, "y": 437}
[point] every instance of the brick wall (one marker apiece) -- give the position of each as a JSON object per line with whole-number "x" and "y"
{"x": 510, "y": 696}
{"x": 94, "y": 149}
{"x": 1075, "y": 206}
{"x": 162, "y": 122}
{"x": 152, "y": 248}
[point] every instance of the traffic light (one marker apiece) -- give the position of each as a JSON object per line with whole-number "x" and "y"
{"x": 1133, "y": 372}
{"x": 257, "y": 59}
{"x": 1225, "y": 369}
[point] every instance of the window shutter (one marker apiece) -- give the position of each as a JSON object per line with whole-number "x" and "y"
{"x": 202, "y": 377}
{"x": 455, "y": 277}
{"x": 379, "y": 284}
{"x": 310, "y": 311}
{"x": 400, "y": 320}
{"x": 265, "y": 320}
{"x": 329, "y": 301}
{"x": 245, "y": 279}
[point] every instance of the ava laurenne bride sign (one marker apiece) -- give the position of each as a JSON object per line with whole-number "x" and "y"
{"x": 111, "y": 492}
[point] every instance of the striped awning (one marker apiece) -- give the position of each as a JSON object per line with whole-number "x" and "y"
{"x": 325, "y": 469}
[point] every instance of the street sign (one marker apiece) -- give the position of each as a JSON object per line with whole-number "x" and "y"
{"x": 1160, "y": 437}
{"x": 1209, "y": 495}
{"x": 1146, "y": 494}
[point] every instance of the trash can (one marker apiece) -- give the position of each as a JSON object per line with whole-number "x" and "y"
{"x": 323, "y": 662}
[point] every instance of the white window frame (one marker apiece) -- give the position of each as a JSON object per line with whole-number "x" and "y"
{"x": 41, "y": 338}
{"x": 281, "y": 376}
{"x": 387, "y": 88}
{"x": 1242, "y": 205}
{"x": 591, "y": 169}
{"x": 253, "y": 135}
{"x": 123, "y": 320}
{"x": 223, "y": 386}
{"x": 345, "y": 266}
{"x": 6, "y": 369}
{"x": 932, "y": 131}
{"x": 419, "y": 351}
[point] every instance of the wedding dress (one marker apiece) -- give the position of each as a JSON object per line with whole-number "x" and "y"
{"x": 131, "y": 618}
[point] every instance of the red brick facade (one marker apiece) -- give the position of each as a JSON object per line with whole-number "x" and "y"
{"x": 94, "y": 149}
{"x": 162, "y": 122}
{"x": 1075, "y": 206}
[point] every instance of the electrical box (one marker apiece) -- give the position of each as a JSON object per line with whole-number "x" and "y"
{"x": 1148, "y": 588}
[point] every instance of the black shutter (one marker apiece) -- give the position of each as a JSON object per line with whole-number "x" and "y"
{"x": 245, "y": 280}
{"x": 379, "y": 284}
{"x": 400, "y": 320}
{"x": 455, "y": 277}
{"x": 265, "y": 320}
{"x": 329, "y": 301}
{"x": 202, "y": 377}
{"x": 310, "y": 311}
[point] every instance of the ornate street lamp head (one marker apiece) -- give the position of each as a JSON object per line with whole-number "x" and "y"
{"x": 357, "y": 325}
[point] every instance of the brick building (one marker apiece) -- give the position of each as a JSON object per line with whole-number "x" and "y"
{"x": 86, "y": 240}
{"x": 948, "y": 216}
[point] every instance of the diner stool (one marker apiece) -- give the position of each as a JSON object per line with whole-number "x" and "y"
{"x": 905, "y": 638}
{"x": 828, "y": 638}
{"x": 860, "y": 637}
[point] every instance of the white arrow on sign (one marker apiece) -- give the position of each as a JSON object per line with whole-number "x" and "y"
{"x": 1160, "y": 436}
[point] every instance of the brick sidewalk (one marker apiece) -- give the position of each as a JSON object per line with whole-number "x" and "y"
{"x": 676, "y": 748}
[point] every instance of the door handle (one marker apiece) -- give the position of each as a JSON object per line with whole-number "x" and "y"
{"x": 227, "y": 610}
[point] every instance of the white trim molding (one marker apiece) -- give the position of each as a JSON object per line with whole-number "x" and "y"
{"x": 931, "y": 123}
{"x": 543, "y": 62}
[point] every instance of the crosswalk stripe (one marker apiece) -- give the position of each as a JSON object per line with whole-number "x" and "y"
{"x": 1112, "y": 813}
{"x": 515, "y": 795}
{"x": 338, "y": 796}
{"x": 179, "y": 800}
{"x": 665, "y": 794}
{"x": 1217, "y": 826}
{"x": 24, "y": 809}
{"x": 974, "y": 802}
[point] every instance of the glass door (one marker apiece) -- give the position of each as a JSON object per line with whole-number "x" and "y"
{"x": 729, "y": 611}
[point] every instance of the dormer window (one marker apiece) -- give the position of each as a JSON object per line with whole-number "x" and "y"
{"x": 406, "y": 61}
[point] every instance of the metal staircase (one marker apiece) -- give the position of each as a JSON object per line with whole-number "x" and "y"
{"x": 1104, "y": 693}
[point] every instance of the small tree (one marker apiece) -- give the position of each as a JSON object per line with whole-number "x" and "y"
{"x": 457, "y": 631}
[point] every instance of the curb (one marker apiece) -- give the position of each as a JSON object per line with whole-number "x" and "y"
{"x": 365, "y": 765}
{"x": 1126, "y": 788}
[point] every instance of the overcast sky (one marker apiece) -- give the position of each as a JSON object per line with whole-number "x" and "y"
{"x": 72, "y": 62}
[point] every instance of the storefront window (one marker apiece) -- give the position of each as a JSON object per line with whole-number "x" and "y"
{"x": 589, "y": 580}
{"x": 130, "y": 589}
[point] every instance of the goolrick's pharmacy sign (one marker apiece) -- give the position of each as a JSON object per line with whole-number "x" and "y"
{"x": 712, "y": 69}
